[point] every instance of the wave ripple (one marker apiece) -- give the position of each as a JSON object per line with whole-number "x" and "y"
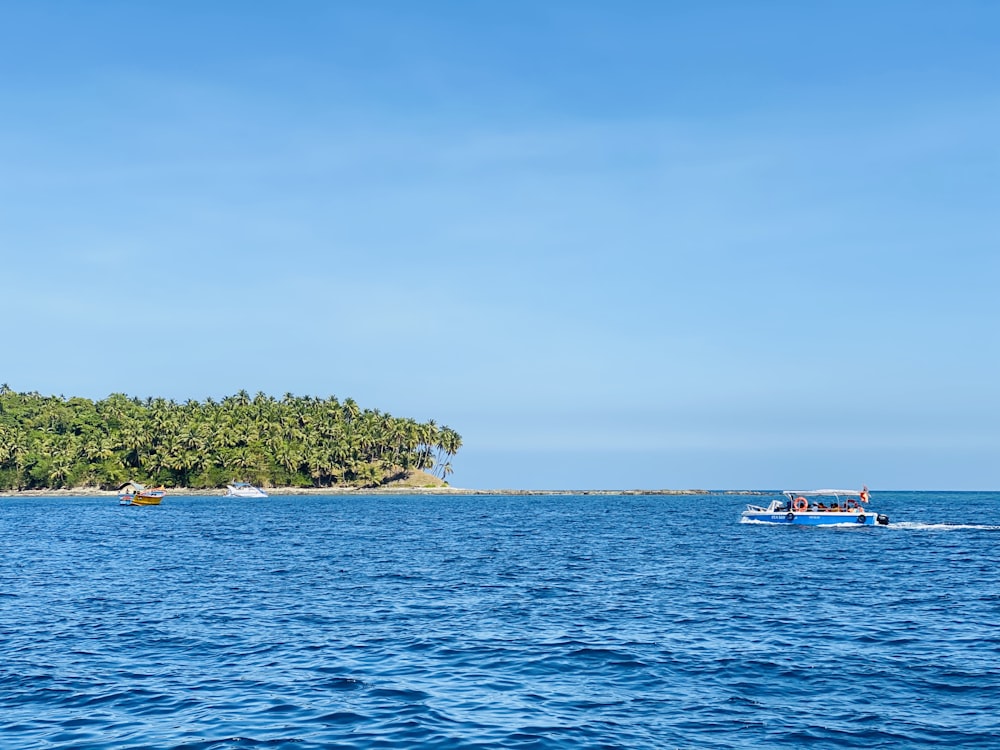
{"x": 495, "y": 622}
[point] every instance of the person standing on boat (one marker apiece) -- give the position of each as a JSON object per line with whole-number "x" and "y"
{"x": 864, "y": 494}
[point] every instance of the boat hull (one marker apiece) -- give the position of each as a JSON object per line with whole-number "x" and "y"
{"x": 151, "y": 498}
{"x": 815, "y": 518}
{"x": 246, "y": 491}
{"x": 147, "y": 499}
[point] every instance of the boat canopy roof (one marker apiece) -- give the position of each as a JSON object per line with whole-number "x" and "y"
{"x": 820, "y": 493}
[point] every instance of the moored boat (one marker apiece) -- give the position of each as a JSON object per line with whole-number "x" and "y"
{"x": 817, "y": 508}
{"x": 243, "y": 489}
{"x": 133, "y": 493}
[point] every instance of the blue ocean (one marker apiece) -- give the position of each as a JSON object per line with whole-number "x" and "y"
{"x": 587, "y": 621}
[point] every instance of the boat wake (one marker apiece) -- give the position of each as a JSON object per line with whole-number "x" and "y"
{"x": 920, "y": 526}
{"x": 904, "y": 525}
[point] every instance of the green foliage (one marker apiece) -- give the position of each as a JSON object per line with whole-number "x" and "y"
{"x": 48, "y": 442}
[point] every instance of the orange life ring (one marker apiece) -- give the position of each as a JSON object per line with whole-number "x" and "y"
{"x": 800, "y": 504}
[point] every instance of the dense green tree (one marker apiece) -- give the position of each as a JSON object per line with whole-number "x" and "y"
{"x": 49, "y": 442}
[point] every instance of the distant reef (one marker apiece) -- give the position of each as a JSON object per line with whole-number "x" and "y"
{"x": 297, "y": 442}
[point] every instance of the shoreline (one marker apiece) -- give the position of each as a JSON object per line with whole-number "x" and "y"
{"x": 293, "y": 491}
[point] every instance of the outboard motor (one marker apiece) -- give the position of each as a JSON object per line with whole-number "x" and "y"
{"x": 882, "y": 519}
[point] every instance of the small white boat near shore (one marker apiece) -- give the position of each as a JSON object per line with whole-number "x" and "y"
{"x": 817, "y": 508}
{"x": 243, "y": 489}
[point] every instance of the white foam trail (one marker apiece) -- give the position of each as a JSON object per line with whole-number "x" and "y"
{"x": 905, "y": 525}
{"x": 919, "y": 526}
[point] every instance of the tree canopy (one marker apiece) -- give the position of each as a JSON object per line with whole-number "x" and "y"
{"x": 49, "y": 442}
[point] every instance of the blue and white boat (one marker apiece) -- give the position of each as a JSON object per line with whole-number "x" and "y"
{"x": 243, "y": 489}
{"x": 817, "y": 508}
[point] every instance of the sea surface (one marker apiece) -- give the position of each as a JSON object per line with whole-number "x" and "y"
{"x": 591, "y": 621}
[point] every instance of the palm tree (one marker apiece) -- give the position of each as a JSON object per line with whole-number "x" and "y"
{"x": 351, "y": 410}
{"x": 449, "y": 442}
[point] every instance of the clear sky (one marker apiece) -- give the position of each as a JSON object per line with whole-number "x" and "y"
{"x": 613, "y": 244}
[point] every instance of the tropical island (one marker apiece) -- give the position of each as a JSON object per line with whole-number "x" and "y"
{"x": 54, "y": 442}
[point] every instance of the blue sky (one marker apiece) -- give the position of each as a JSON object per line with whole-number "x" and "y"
{"x": 614, "y": 245}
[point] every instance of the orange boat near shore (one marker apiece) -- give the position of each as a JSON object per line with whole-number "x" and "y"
{"x": 134, "y": 493}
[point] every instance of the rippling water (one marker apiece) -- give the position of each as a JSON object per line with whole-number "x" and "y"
{"x": 496, "y": 622}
